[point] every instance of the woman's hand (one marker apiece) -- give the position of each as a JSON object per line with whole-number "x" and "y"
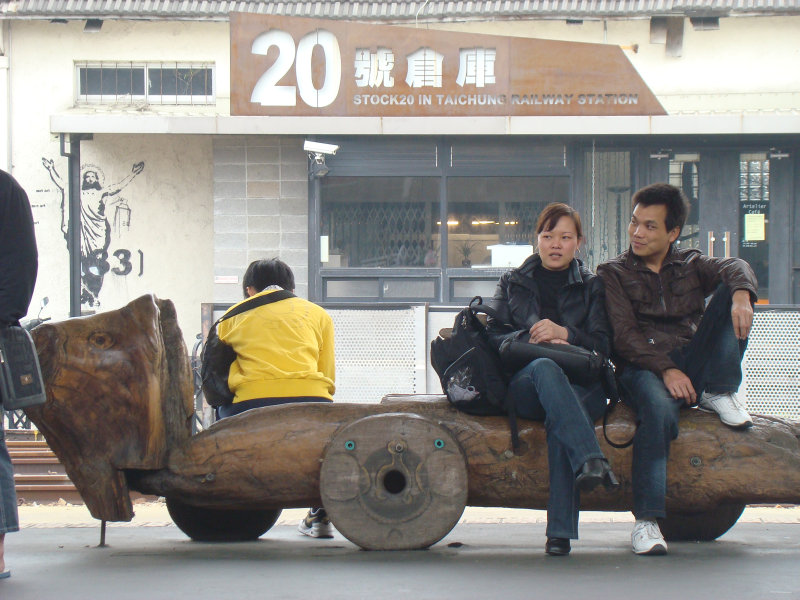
{"x": 547, "y": 331}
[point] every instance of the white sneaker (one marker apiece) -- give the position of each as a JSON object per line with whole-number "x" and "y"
{"x": 316, "y": 524}
{"x": 730, "y": 409}
{"x": 646, "y": 538}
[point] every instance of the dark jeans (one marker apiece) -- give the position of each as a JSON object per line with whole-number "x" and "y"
{"x": 8, "y": 496}
{"x": 228, "y": 410}
{"x": 713, "y": 361}
{"x": 540, "y": 391}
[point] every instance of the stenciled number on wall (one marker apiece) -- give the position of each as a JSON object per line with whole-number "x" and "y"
{"x": 267, "y": 92}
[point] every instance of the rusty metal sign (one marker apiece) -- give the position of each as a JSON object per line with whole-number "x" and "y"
{"x": 294, "y": 66}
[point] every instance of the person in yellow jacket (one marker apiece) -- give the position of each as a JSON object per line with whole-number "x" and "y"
{"x": 284, "y": 353}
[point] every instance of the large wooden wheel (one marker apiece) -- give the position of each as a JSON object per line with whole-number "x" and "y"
{"x": 219, "y": 524}
{"x": 394, "y": 482}
{"x": 700, "y": 526}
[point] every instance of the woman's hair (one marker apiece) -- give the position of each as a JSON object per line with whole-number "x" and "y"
{"x": 551, "y": 214}
{"x": 263, "y": 273}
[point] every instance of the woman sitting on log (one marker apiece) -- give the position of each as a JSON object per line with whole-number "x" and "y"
{"x": 284, "y": 353}
{"x": 554, "y": 298}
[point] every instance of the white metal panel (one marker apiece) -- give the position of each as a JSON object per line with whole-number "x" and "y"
{"x": 379, "y": 352}
{"x": 771, "y": 383}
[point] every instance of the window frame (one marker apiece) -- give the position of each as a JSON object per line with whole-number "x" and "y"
{"x": 148, "y": 98}
{"x": 398, "y": 159}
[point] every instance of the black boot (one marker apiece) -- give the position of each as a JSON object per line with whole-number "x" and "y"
{"x": 594, "y": 472}
{"x": 557, "y": 546}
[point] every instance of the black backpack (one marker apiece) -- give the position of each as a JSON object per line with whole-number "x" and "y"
{"x": 469, "y": 367}
{"x": 218, "y": 356}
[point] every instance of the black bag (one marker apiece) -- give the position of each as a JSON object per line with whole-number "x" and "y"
{"x": 468, "y": 366}
{"x": 217, "y": 356}
{"x": 21, "y": 383}
{"x": 580, "y": 365}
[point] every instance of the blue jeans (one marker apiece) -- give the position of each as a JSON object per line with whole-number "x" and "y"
{"x": 713, "y": 361}
{"x": 541, "y": 392}
{"x": 228, "y": 410}
{"x": 8, "y": 495}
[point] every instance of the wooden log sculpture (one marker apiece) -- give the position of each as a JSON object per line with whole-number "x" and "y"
{"x": 393, "y": 475}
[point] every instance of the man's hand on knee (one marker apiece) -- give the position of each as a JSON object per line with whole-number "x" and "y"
{"x": 679, "y": 385}
{"x": 742, "y": 314}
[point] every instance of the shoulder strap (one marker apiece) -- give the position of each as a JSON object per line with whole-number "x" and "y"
{"x": 252, "y": 303}
{"x": 477, "y": 306}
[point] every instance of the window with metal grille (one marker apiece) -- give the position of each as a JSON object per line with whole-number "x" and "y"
{"x": 684, "y": 173}
{"x": 145, "y": 83}
{"x": 754, "y": 217}
{"x": 609, "y": 182}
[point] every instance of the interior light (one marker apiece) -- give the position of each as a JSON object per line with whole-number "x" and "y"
{"x": 775, "y": 153}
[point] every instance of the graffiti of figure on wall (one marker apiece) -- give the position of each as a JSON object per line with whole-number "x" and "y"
{"x": 95, "y": 228}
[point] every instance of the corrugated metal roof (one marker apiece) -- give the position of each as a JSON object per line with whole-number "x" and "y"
{"x": 390, "y": 10}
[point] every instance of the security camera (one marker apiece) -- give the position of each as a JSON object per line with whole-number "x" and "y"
{"x": 319, "y": 147}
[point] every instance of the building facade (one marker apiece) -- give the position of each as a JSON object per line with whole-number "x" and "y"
{"x": 142, "y": 120}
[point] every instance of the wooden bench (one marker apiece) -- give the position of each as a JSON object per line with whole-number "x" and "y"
{"x": 394, "y": 475}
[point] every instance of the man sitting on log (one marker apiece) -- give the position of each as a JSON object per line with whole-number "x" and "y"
{"x": 672, "y": 349}
{"x": 284, "y": 353}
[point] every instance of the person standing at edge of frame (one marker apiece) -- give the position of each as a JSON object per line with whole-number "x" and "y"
{"x": 552, "y": 297}
{"x": 284, "y": 353}
{"x": 19, "y": 263}
{"x": 673, "y": 350}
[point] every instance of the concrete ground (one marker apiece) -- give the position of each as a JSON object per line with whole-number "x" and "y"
{"x": 491, "y": 553}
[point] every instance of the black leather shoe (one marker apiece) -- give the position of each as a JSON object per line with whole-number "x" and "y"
{"x": 594, "y": 472}
{"x": 557, "y": 546}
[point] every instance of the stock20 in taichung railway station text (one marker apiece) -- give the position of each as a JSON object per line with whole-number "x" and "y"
{"x": 285, "y": 66}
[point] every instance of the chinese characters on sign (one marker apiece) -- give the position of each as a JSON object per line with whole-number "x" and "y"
{"x": 374, "y": 69}
{"x": 296, "y": 66}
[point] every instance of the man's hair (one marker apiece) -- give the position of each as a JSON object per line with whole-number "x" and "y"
{"x": 263, "y": 273}
{"x": 667, "y": 195}
{"x": 552, "y": 213}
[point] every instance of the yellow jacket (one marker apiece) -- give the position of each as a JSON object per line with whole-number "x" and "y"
{"x": 283, "y": 350}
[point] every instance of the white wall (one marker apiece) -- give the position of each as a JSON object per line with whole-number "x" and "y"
{"x": 170, "y": 201}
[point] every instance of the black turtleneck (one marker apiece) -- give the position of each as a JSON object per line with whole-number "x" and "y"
{"x": 549, "y": 283}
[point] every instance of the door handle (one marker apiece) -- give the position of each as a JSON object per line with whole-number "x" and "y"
{"x": 711, "y": 240}
{"x": 727, "y": 241}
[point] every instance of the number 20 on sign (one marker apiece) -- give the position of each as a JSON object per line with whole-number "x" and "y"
{"x": 267, "y": 92}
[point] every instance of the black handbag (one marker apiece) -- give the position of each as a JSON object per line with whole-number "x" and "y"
{"x": 581, "y": 366}
{"x": 21, "y": 383}
{"x": 217, "y": 356}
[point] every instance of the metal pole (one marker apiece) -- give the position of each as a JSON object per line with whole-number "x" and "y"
{"x": 74, "y": 225}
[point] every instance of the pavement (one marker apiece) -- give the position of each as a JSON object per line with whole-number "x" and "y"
{"x": 154, "y": 514}
{"x": 491, "y": 553}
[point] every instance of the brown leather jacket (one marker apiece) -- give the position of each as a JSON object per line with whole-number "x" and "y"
{"x": 651, "y": 313}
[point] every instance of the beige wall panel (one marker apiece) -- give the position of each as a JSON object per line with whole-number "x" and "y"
{"x": 743, "y": 66}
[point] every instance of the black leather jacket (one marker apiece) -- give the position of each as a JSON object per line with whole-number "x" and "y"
{"x": 18, "y": 255}
{"x": 654, "y": 313}
{"x": 581, "y": 304}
